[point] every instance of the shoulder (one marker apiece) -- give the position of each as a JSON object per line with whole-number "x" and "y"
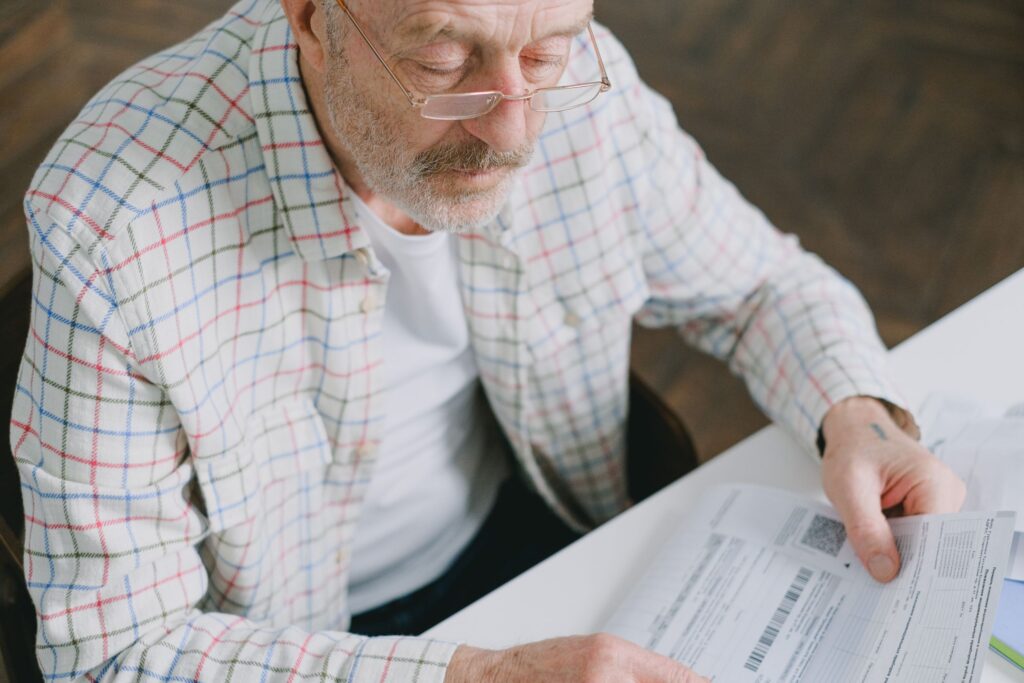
{"x": 148, "y": 127}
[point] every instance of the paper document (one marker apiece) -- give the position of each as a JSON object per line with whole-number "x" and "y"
{"x": 983, "y": 444}
{"x": 762, "y": 585}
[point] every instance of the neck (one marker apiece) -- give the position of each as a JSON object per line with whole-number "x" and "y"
{"x": 312, "y": 82}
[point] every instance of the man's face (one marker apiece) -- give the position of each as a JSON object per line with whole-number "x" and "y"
{"x": 445, "y": 175}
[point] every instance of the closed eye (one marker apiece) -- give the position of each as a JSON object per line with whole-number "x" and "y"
{"x": 444, "y": 71}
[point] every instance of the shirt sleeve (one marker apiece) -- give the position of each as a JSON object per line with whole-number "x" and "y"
{"x": 799, "y": 334}
{"x": 111, "y": 534}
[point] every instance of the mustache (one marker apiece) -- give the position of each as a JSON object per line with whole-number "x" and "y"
{"x": 468, "y": 156}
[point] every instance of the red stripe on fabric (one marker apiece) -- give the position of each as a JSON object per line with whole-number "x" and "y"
{"x": 292, "y": 145}
{"x": 303, "y": 652}
{"x": 232, "y": 104}
{"x": 210, "y": 322}
{"x": 347, "y": 231}
{"x": 244, "y": 18}
{"x": 174, "y": 303}
{"x": 78, "y": 163}
{"x": 318, "y": 367}
{"x": 390, "y": 658}
{"x": 138, "y": 141}
{"x": 48, "y": 616}
{"x": 75, "y": 211}
{"x": 194, "y": 226}
{"x": 273, "y": 48}
{"x": 102, "y": 524}
{"x": 84, "y": 363}
{"x": 93, "y": 460}
{"x": 215, "y": 638}
{"x": 27, "y": 430}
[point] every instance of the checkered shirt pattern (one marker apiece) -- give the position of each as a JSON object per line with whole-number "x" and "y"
{"x": 199, "y": 400}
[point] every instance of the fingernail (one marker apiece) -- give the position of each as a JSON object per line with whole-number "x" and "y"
{"x": 881, "y": 567}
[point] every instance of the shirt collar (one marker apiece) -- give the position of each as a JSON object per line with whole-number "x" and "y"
{"x": 309, "y": 194}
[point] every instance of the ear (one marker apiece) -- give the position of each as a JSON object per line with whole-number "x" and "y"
{"x": 307, "y": 22}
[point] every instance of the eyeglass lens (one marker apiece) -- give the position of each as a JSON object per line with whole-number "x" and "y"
{"x": 459, "y": 106}
{"x": 470, "y": 105}
{"x": 559, "y": 99}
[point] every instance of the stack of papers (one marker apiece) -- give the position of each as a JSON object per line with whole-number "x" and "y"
{"x": 985, "y": 446}
{"x": 761, "y": 585}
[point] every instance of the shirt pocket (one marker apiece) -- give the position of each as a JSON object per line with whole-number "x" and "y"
{"x": 288, "y": 438}
{"x": 280, "y": 441}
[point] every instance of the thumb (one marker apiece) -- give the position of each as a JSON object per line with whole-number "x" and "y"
{"x": 859, "y": 503}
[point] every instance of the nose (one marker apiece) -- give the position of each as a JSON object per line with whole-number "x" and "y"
{"x": 506, "y": 127}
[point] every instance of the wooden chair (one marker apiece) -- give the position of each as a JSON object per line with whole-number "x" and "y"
{"x": 659, "y": 447}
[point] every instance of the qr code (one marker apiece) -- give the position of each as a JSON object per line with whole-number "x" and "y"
{"x": 825, "y": 534}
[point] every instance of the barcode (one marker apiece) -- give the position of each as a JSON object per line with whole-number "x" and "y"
{"x": 774, "y": 627}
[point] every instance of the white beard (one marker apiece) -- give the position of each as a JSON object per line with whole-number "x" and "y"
{"x": 414, "y": 182}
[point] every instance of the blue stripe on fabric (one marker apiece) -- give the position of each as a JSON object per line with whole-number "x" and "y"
{"x": 84, "y": 428}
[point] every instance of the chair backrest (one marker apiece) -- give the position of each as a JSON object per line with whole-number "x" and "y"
{"x": 17, "y": 612}
{"x": 658, "y": 446}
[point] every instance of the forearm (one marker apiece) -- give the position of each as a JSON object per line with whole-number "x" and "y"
{"x": 800, "y": 335}
{"x": 471, "y": 665}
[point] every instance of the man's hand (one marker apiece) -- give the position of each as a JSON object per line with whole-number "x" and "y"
{"x": 598, "y": 658}
{"x": 871, "y": 465}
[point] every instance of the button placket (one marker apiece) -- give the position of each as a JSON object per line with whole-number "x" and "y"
{"x": 367, "y": 280}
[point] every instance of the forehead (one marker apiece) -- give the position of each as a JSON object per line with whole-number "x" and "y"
{"x": 504, "y": 22}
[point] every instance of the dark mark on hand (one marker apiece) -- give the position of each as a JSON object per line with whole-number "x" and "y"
{"x": 879, "y": 431}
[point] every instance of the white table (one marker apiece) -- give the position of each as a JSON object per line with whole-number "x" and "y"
{"x": 978, "y": 350}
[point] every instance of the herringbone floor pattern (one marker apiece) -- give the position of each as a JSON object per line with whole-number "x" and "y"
{"x": 889, "y": 136}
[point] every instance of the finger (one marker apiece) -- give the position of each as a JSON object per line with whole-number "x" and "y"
{"x": 859, "y": 502}
{"x": 658, "y": 668}
{"x": 936, "y": 495}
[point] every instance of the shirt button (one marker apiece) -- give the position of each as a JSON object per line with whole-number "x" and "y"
{"x": 339, "y": 557}
{"x": 365, "y": 450}
{"x": 369, "y": 302}
{"x": 362, "y": 256}
{"x": 572, "y": 320}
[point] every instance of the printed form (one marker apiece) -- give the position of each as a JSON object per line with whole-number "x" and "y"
{"x": 762, "y": 585}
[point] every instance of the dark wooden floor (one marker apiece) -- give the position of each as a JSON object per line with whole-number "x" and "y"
{"x": 888, "y": 135}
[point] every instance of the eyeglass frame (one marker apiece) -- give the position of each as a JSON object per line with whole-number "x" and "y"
{"x": 420, "y": 101}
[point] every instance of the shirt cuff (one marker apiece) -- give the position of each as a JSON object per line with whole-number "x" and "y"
{"x": 400, "y": 658}
{"x": 903, "y": 418}
{"x": 831, "y": 382}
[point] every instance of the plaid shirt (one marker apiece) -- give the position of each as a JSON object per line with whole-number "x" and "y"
{"x": 198, "y": 403}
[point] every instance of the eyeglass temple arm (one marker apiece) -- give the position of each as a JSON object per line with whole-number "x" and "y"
{"x": 605, "y": 83}
{"x": 413, "y": 100}
{"x": 418, "y": 102}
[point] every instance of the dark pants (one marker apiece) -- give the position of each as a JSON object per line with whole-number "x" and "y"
{"x": 519, "y": 532}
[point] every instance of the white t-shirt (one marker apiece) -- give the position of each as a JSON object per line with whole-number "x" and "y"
{"x": 439, "y": 464}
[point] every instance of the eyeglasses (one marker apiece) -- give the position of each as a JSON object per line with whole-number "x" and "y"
{"x": 469, "y": 105}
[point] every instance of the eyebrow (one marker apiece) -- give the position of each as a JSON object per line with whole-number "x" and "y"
{"x": 417, "y": 35}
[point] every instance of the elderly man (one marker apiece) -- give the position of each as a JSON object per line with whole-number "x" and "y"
{"x": 330, "y": 335}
